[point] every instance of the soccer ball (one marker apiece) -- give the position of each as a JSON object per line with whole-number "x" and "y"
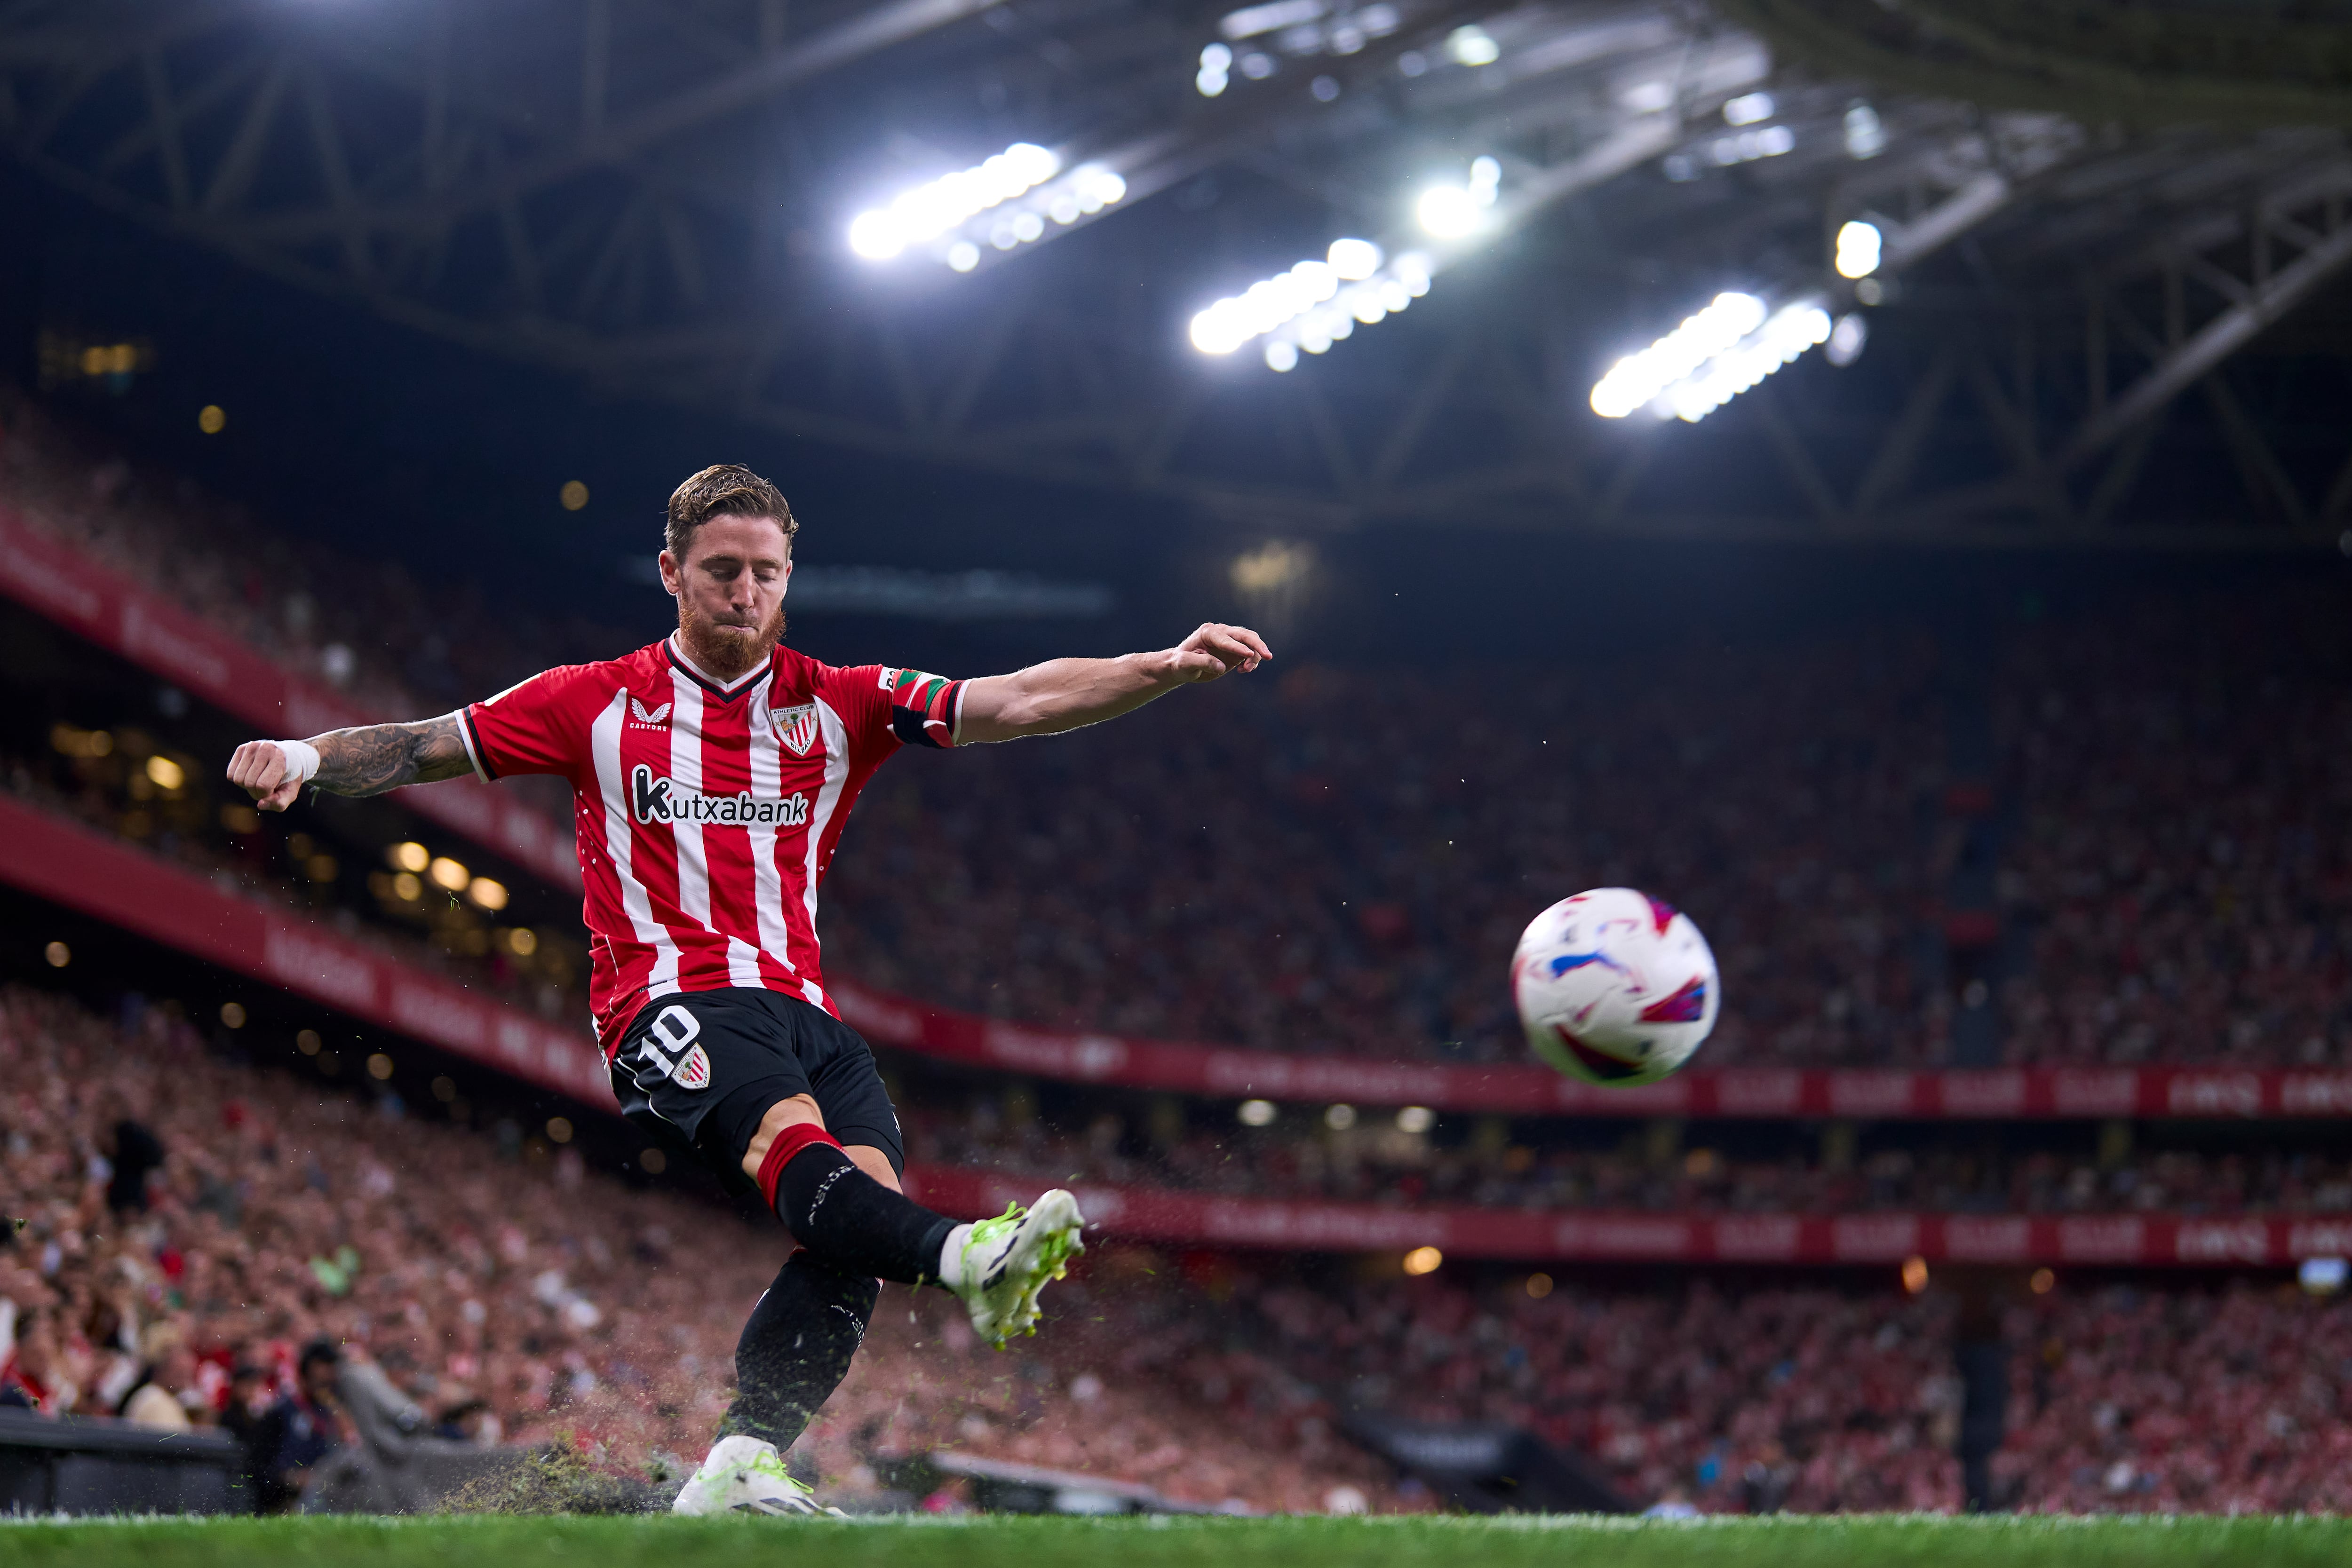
{"x": 1615, "y": 987}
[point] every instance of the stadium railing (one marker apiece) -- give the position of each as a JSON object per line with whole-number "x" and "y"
{"x": 1768, "y": 1093}
{"x": 1145, "y": 1213}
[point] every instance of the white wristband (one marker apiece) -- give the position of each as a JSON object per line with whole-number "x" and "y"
{"x": 301, "y": 759}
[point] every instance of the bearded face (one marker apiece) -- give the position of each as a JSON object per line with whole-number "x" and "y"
{"x": 731, "y": 593}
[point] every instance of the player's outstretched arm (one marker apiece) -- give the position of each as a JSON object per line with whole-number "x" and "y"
{"x": 1065, "y": 694}
{"x": 367, "y": 760}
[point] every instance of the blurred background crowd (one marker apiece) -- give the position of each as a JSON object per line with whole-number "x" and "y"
{"x": 192, "y": 1224}
{"x": 2092, "y": 845}
{"x": 2074, "y": 842}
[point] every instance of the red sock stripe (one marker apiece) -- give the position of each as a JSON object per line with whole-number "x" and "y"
{"x": 791, "y": 1141}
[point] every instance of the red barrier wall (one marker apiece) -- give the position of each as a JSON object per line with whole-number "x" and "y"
{"x": 64, "y": 583}
{"x": 108, "y": 880}
{"x": 1524, "y": 1089}
{"x": 1190, "y": 1218}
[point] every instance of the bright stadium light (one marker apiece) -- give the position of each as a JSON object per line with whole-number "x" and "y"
{"x": 1453, "y": 212}
{"x": 929, "y": 211}
{"x": 1472, "y": 46}
{"x": 1216, "y": 66}
{"x": 1859, "y": 245}
{"x": 1637, "y": 379}
{"x": 1018, "y": 192}
{"x": 1749, "y": 109}
{"x": 1711, "y": 358}
{"x": 1315, "y": 304}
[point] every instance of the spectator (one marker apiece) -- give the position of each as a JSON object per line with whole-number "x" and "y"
{"x": 245, "y": 1417}
{"x": 167, "y": 1387}
{"x": 132, "y": 1152}
{"x": 302, "y": 1430}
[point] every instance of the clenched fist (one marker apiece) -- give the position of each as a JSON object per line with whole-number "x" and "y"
{"x": 260, "y": 770}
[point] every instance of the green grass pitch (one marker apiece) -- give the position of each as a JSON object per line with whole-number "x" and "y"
{"x": 1876, "y": 1541}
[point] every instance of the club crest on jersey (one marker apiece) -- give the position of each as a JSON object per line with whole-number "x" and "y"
{"x": 653, "y": 798}
{"x": 648, "y": 717}
{"x": 795, "y": 727}
{"x": 676, "y": 1028}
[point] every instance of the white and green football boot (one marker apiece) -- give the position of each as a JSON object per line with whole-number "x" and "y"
{"x": 997, "y": 1266}
{"x": 745, "y": 1475}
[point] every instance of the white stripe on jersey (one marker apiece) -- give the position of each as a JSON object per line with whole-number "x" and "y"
{"x": 767, "y": 876}
{"x": 604, "y": 746}
{"x": 836, "y": 773}
{"x": 686, "y": 775}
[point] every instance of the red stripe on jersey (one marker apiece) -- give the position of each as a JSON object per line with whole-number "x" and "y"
{"x": 705, "y": 815}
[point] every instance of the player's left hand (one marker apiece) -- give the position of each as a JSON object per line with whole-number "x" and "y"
{"x": 1216, "y": 650}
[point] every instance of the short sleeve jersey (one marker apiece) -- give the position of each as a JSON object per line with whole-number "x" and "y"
{"x": 706, "y": 813}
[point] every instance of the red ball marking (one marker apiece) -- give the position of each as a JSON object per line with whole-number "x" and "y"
{"x": 1599, "y": 1063}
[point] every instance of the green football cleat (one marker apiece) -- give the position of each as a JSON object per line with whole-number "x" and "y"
{"x": 1004, "y": 1262}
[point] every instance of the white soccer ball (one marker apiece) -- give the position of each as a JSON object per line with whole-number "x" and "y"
{"x": 1615, "y": 987}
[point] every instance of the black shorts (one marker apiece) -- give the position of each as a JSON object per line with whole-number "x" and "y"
{"x": 707, "y": 1065}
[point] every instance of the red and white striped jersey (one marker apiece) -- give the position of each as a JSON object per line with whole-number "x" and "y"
{"x": 706, "y": 812}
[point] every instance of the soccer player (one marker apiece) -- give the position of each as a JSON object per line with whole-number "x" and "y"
{"x": 711, "y": 774}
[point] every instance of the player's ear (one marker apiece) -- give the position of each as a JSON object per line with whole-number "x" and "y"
{"x": 787, "y": 588}
{"x": 670, "y": 572}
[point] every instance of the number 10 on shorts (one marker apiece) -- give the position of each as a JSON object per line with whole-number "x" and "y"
{"x": 685, "y": 1064}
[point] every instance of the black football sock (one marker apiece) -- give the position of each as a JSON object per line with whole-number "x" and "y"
{"x": 797, "y": 1347}
{"x": 853, "y": 1222}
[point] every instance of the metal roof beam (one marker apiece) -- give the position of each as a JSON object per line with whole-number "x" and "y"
{"x": 2265, "y": 304}
{"x": 617, "y": 139}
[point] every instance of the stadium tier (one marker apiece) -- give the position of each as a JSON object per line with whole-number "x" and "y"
{"x": 2077, "y": 855}
{"x": 128, "y": 888}
{"x": 101, "y": 874}
{"x": 467, "y": 1263}
{"x": 500, "y": 1270}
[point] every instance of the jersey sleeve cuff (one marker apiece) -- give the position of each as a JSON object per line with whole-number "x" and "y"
{"x": 473, "y": 742}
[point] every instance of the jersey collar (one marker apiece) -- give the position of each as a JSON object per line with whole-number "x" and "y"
{"x": 724, "y": 689}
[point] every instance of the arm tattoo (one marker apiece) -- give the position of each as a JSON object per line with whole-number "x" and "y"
{"x": 379, "y": 756}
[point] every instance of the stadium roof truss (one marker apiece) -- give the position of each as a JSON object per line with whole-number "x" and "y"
{"x": 653, "y": 195}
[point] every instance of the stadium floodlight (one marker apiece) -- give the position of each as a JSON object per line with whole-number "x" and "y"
{"x": 929, "y": 211}
{"x": 1749, "y": 109}
{"x": 1711, "y": 358}
{"x": 1859, "y": 246}
{"x": 1454, "y": 211}
{"x": 1216, "y": 68}
{"x": 1865, "y": 135}
{"x": 1472, "y": 46}
{"x": 1007, "y": 202}
{"x": 1315, "y": 304}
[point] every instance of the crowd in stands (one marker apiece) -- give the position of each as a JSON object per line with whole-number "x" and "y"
{"x": 365, "y": 628}
{"x": 2183, "y": 790}
{"x": 190, "y": 1224}
{"x": 1375, "y": 1162}
{"x": 1814, "y": 1399}
{"x": 1338, "y": 862}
